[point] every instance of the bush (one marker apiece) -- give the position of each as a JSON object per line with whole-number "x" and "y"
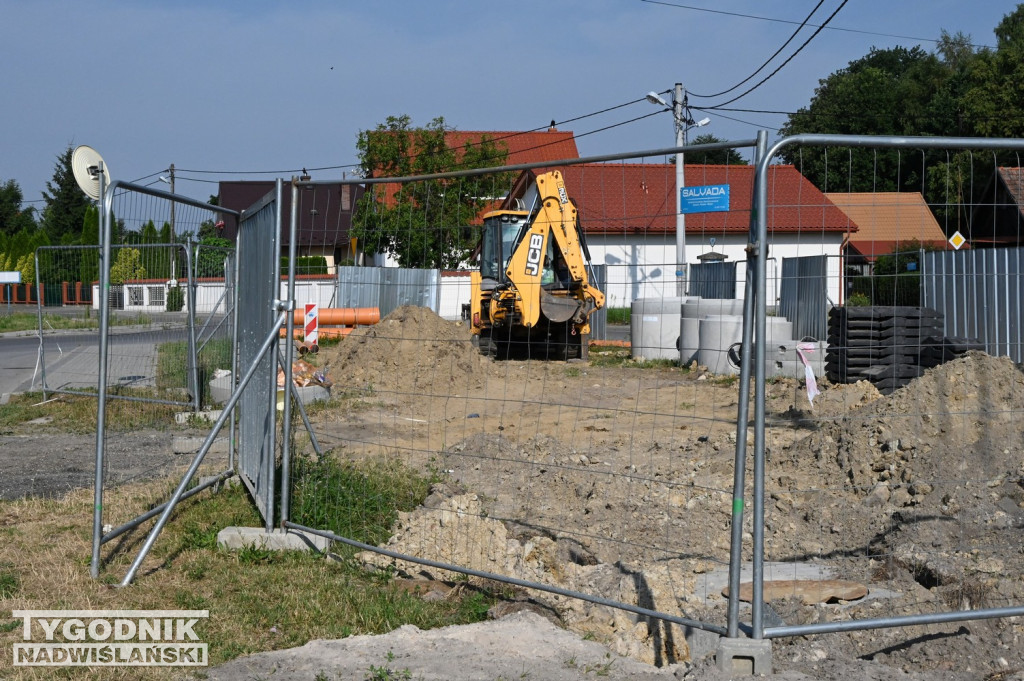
{"x": 306, "y": 264}
{"x": 858, "y": 300}
{"x": 175, "y": 299}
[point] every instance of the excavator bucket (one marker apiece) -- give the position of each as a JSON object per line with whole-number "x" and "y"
{"x": 558, "y": 308}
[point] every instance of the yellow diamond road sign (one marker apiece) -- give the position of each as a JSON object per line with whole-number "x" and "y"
{"x": 957, "y": 240}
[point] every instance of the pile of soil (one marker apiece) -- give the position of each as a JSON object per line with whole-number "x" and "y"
{"x": 618, "y": 482}
{"x": 410, "y": 349}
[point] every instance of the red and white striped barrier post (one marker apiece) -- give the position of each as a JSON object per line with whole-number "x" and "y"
{"x": 311, "y": 329}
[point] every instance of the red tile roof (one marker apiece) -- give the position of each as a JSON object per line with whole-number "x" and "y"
{"x": 1013, "y": 178}
{"x": 888, "y": 220}
{"x": 640, "y": 197}
{"x": 523, "y": 147}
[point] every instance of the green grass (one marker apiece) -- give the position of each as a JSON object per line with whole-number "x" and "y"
{"x": 601, "y": 356}
{"x": 77, "y": 413}
{"x": 258, "y": 600}
{"x": 29, "y": 321}
{"x": 357, "y": 501}
{"x": 618, "y": 315}
{"x": 172, "y": 365}
{"x": 9, "y": 581}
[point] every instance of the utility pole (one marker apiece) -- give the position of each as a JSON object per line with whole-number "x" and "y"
{"x": 174, "y": 239}
{"x": 172, "y": 204}
{"x": 680, "y": 115}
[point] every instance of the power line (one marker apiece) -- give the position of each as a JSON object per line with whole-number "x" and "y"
{"x": 789, "y": 21}
{"x": 490, "y": 139}
{"x": 718, "y": 114}
{"x": 788, "y": 59}
{"x": 769, "y": 59}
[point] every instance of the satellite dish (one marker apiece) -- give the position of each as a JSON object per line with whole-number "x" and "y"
{"x": 85, "y": 162}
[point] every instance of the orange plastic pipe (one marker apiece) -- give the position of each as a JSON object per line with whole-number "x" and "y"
{"x": 341, "y": 316}
{"x": 324, "y": 332}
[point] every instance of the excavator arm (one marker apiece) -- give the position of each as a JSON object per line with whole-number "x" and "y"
{"x": 556, "y": 219}
{"x": 533, "y": 286}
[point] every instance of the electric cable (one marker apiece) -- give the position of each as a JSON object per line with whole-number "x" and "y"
{"x": 788, "y": 59}
{"x": 768, "y": 60}
{"x": 790, "y": 21}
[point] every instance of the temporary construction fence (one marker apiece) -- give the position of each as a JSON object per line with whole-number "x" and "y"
{"x": 144, "y": 365}
{"x": 882, "y": 492}
{"x": 665, "y": 510}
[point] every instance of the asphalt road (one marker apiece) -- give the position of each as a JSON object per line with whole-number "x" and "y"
{"x": 71, "y": 357}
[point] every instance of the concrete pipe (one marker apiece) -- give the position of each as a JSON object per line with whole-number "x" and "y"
{"x": 654, "y": 327}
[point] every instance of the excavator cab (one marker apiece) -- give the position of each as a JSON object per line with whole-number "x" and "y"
{"x": 502, "y": 230}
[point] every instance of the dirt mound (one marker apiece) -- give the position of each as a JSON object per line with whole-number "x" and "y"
{"x": 410, "y": 349}
{"x": 959, "y": 420}
{"x": 922, "y": 479}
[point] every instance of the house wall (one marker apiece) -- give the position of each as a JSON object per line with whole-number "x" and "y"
{"x": 643, "y": 265}
{"x": 149, "y": 297}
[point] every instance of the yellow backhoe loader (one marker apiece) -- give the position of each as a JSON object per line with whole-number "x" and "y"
{"x": 532, "y": 296}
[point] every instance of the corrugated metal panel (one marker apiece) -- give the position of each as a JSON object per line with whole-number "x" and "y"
{"x": 401, "y": 286}
{"x": 803, "y": 295}
{"x": 980, "y": 294}
{"x": 389, "y": 288}
{"x": 359, "y": 286}
{"x": 713, "y": 280}
{"x": 258, "y": 288}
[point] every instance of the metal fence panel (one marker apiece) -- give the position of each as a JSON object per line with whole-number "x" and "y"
{"x": 258, "y": 287}
{"x": 880, "y": 487}
{"x": 587, "y": 481}
{"x": 144, "y": 364}
{"x": 713, "y": 280}
{"x": 388, "y": 288}
{"x": 804, "y": 295}
{"x": 981, "y": 295}
{"x": 404, "y": 286}
{"x": 359, "y": 286}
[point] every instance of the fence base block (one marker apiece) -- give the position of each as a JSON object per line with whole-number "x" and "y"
{"x": 279, "y": 540}
{"x": 744, "y": 656}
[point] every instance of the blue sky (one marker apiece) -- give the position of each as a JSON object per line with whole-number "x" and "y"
{"x": 258, "y": 85}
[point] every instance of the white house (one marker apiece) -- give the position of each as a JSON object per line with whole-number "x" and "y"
{"x": 628, "y": 214}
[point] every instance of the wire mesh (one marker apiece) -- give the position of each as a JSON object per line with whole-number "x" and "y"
{"x": 600, "y": 482}
{"x": 169, "y": 336}
{"x": 893, "y": 478}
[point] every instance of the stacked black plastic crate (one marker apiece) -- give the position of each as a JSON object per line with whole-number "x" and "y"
{"x": 887, "y": 345}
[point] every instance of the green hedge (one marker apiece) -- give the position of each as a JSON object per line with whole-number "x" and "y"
{"x": 889, "y": 289}
{"x": 306, "y": 264}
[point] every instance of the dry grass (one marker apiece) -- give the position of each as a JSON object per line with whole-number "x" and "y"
{"x": 258, "y": 600}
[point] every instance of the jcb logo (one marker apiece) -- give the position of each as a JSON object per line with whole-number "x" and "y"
{"x": 533, "y": 254}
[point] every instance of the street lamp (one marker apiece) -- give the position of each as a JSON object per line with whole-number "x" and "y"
{"x": 683, "y": 123}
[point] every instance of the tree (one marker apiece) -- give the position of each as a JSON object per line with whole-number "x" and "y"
{"x": 729, "y": 157}
{"x": 896, "y": 91}
{"x": 65, "y": 203}
{"x": 13, "y": 218}
{"x": 89, "y": 267}
{"x": 213, "y": 249}
{"x": 426, "y": 223}
{"x": 994, "y": 99}
{"x": 127, "y": 266}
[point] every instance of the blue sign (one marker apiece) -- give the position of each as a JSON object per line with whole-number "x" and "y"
{"x": 712, "y": 198}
